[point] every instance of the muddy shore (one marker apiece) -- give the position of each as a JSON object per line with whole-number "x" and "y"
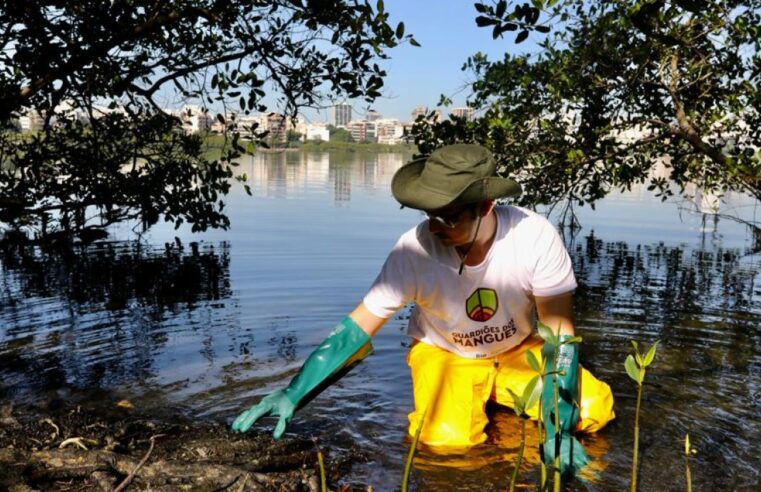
{"x": 80, "y": 448}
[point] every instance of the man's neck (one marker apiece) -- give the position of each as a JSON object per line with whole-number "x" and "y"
{"x": 483, "y": 241}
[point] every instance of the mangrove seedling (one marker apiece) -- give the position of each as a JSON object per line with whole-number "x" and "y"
{"x": 688, "y": 450}
{"x": 321, "y": 464}
{"x": 536, "y": 366}
{"x": 411, "y": 453}
{"x": 554, "y": 342}
{"x": 521, "y": 404}
{"x": 635, "y": 366}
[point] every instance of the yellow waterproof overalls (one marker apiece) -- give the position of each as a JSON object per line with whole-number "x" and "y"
{"x": 453, "y": 391}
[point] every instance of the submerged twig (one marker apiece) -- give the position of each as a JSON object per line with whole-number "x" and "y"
{"x": 57, "y": 429}
{"x": 132, "y": 474}
{"x": 79, "y": 441}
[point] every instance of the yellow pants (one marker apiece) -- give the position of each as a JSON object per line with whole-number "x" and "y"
{"x": 453, "y": 391}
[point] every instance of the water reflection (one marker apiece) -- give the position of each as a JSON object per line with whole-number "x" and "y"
{"x": 212, "y": 329}
{"x": 101, "y": 316}
{"x": 291, "y": 174}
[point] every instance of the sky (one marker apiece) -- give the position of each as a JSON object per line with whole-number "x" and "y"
{"x": 447, "y": 32}
{"x": 448, "y": 35}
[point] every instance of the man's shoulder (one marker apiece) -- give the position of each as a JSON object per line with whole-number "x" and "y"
{"x": 409, "y": 240}
{"x": 519, "y": 217}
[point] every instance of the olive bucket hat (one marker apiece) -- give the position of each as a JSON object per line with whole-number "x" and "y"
{"x": 457, "y": 174}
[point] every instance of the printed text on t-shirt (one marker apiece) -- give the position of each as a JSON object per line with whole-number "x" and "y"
{"x": 483, "y": 336}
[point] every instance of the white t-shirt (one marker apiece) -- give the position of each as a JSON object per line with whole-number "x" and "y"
{"x": 486, "y": 310}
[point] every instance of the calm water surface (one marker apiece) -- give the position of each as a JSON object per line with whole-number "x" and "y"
{"x": 207, "y": 324}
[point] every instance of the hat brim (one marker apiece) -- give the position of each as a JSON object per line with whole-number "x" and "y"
{"x": 410, "y": 191}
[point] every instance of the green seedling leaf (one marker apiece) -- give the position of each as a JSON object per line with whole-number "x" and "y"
{"x": 572, "y": 340}
{"x": 636, "y": 346}
{"x": 533, "y": 362}
{"x": 650, "y": 355}
{"x": 631, "y": 368}
{"x": 687, "y": 444}
{"x": 546, "y": 333}
{"x": 532, "y": 392}
{"x": 518, "y": 403}
{"x": 639, "y": 359}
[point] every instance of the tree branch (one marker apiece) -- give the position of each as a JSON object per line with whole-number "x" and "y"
{"x": 77, "y": 62}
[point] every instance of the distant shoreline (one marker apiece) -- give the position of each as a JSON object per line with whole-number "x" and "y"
{"x": 215, "y": 143}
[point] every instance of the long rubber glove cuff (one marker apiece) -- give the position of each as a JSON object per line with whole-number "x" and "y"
{"x": 347, "y": 344}
{"x": 572, "y": 454}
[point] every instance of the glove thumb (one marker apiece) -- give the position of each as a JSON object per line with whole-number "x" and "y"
{"x": 280, "y": 427}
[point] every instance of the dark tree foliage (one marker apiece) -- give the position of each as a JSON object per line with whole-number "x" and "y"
{"x": 96, "y": 72}
{"x": 616, "y": 89}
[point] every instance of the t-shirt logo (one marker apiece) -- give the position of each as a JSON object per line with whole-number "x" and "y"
{"x": 482, "y": 304}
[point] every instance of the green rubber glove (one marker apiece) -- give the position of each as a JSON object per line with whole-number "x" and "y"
{"x": 572, "y": 455}
{"x": 347, "y": 344}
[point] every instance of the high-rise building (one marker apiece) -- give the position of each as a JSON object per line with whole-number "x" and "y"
{"x": 275, "y": 124}
{"x": 341, "y": 114}
{"x": 467, "y": 113}
{"x": 373, "y": 115}
{"x": 419, "y": 111}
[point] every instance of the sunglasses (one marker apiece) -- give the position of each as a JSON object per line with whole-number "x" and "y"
{"x": 450, "y": 220}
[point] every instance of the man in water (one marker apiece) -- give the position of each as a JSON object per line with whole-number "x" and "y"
{"x": 480, "y": 275}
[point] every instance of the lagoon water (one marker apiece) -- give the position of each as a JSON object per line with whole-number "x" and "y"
{"x": 205, "y": 324}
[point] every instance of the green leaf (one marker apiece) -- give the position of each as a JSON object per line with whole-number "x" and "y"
{"x": 576, "y": 339}
{"x": 518, "y": 403}
{"x": 546, "y": 333}
{"x": 636, "y": 346}
{"x": 531, "y": 392}
{"x": 539, "y": 4}
{"x": 533, "y": 362}
{"x": 481, "y": 8}
{"x": 640, "y": 361}
{"x": 631, "y": 368}
{"x": 400, "y": 30}
{"x": 521, "y": 37}
{"x": 650, "y": 355}
{"x": 482, "y": 21}
{"x": 413, "y": 42}
{"x": 501, "y": 7}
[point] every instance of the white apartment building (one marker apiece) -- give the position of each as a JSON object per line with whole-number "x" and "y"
{"x": 316, "y": 132}
{"x": 195, "y": 119}
{"x": 389, "y": 131}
